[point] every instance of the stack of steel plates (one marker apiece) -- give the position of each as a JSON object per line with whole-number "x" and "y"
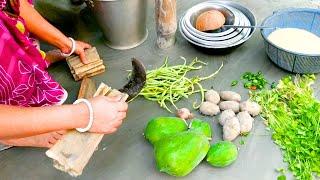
{"x": 222, "y": 38}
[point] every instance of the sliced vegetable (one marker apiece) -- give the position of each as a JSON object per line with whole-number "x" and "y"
{"x": 234, "y": 82}
{"x": 254, "y": 81}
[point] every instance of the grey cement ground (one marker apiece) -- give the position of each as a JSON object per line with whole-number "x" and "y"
{"x": 126, "y": 155}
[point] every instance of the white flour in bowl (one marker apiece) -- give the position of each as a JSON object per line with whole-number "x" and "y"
{"x": 296, "y": 40}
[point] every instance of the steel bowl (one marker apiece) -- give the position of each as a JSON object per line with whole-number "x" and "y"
{"x": 302, "y": 18}
{"x": 192, "y": 14}
{"x": 220, "y": 34}
{"x": 231, "y": 38}
{"x": 224, "y": 39}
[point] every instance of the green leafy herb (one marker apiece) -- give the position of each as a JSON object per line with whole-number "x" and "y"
{"x": 170, "y": 83}
{"x": 242, "y": 142}
{"x": 234, "y": 83}
{"x": 273, "y": 85}
{"x": 282, "y": 177}
{"x": 253, "y": 81}
{"x": 293, "y": 115}
{"x": 281, "y": 170}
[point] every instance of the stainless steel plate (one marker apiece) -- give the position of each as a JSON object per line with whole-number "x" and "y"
{"x": 191, "y": 15}
{"x": 236, "y": 32}
{"x": 228, "y": 37}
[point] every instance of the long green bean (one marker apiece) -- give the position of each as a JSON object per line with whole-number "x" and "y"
{"x": 168, "y": 84}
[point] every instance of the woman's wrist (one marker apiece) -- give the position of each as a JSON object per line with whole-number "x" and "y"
{"x": 81, "y": 115}
{"x": 65, "y": 45}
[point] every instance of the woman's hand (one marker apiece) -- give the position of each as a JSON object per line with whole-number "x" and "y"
{"x": 108, "y": 114}
{"x": 80, "y": 47}
{"x": 49, "y": 33}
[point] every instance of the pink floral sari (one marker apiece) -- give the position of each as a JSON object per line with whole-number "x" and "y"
{"x": 24, "y": 80}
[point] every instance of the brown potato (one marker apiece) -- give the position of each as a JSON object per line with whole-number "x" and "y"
{"x": 225, "y": 115}
{"x": 231, "y": 129}
{"x": 253, "y": 108}
{"x": 212, "y": 96}
{"x": 209, "y": 108}
{"x": 230, "y": 96}
{"x": 246, "y": 122}
{"x": 233, "y": 105}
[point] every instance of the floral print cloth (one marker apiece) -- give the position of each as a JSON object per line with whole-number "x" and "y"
{"x": 24, "y": 80}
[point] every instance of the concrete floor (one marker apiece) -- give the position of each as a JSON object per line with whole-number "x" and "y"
{"x": 126, "y": 155}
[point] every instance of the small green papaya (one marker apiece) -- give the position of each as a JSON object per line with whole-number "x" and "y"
{"x": 179, "y": 154}
{"x": 201, "y": 126}
{"x": 160, "y": 127}
{"x": 222, "y": 154}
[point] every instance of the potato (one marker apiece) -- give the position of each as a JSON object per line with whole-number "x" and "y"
{"x": 212, "y": 96}
{"x": 253, "y": 108}
{"x": 209, "y": 108}
{"x": 230, "y": 96}
{"x": 184, "y": 113}
{"x": 225, "y": 115}
{"x": 233, "y": 105}
{"x": 231, "y": 129}
{"x": 246, "y": 122}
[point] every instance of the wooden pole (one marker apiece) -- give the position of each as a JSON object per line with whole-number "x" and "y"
{"x": 166, "y": 22}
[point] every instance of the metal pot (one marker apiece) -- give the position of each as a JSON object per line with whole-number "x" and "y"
{"x": 123, "y": 22}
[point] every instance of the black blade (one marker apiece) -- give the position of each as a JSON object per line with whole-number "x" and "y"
{"x": 137, "y": 79}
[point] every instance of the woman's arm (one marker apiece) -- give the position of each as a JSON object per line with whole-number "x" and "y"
{"x": 17, "y": 122}
{"x": 46, "y": 32}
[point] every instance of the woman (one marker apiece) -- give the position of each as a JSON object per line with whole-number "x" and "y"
{"x": 31, "y": 113}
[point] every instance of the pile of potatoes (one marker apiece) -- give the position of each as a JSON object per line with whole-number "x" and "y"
{"x": 236, "y": 117}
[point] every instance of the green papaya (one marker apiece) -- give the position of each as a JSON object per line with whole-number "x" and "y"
{"x": 160, "y": 127}
{"x": 201, "y": 126}
{"x": 222, "y": 154}
{"x": 179, "y": 154}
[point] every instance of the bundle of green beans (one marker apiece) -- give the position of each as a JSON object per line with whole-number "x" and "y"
{"x": 170, "y": 83}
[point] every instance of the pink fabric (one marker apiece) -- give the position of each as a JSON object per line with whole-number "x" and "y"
{"x": 24, "y": 80}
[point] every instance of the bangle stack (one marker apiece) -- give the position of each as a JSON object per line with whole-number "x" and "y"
{"x": 90, "y": 115}
{"x": 73, "y": 48}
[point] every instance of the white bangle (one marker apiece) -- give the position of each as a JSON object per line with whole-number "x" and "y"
{"x": 73, "y": 48}
{"x": 90, "y": 114}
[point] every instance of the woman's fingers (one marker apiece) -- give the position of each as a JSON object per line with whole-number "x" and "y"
{"x": 80, "y": 47}
{"x": 119, "y": 105}
{"x": 122, "y": 106}
{"x": 52, "y": 140}
{"x": 82, "y": 56}
{"x": 62, "y": 132}
{"x": 84, "y": 45}
{"x": 56, "y": 135}
{"x": 113, "y": 98}
{"x": 121, "y": 116}
{"x": 113, "y": 130}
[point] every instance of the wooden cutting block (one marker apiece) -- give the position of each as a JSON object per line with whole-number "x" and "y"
{"x": 86, "y": 66}
{"x": 80, "y": 70}
{"x": 74, "y": 150}
{"x": 77, "y": 78}
{"x": 83, "y": 69}
{"x": 90, "y": 73}
{"x": 91, "y": 55}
